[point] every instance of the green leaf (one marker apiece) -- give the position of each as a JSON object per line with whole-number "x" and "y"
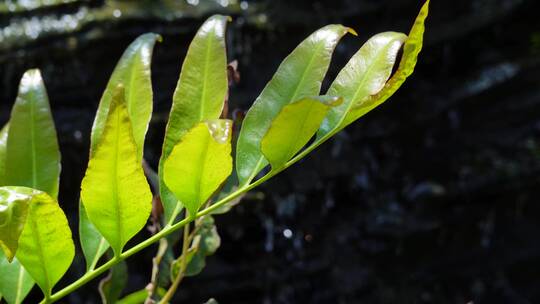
{"x": 15, "y": 282}
{"x": 32, "y": 153}
{"x": 111, "y": 287}
{"x": 139, "y": 296}
{"x": 364, "y": 75}
{"x": 293, "y": 127}
{"x": 299, "y": 75}
{"x": 411, "y": 49}
{"x": 211, "y": 301}
{"x": 92, "y": 243}
{"x": 13, "y": 213}
{"x": 46, "y": 248}
{"x": 133, "y": 73}
{"x": 199, "y": 163}
{"x": 114, "y": 191}
{"x": 199, "y": 95}
{"x": 205, "y": 243}
{"x": 3, "y": 148}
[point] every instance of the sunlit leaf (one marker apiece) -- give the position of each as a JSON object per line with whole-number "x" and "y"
{"x": 199, "y": 163}
{"x": 299, "y": 75}
{"x": 364, "y": 75}
{"x": 111, "y": 287}
{"x": 133, "y": 73}
{"x": 293, "y": 127}
{"x": 3, "y": 147}
{"x": 13, "y": 214}
{"x": 411, "y": 49}
{"x": 46, "y": 248}
{"x": 15, "y": 282}
{"x": 114, "y": 191}
{"x": 32, "y": 153}
{"x": 199, "y": 95}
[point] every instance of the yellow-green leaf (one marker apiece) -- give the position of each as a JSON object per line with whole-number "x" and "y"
{"x": 299, "y": 75}
{"x": 364, "y": 75}
{"x": 93, "y": 244}
{"x": 114, "y": 191}
{"x": 32, "y": 153}
{"x": 199, "y": 95}
{"x": 293, "y": 127}
{"x": 199, "y": 163}
{"x": 13, "y": 214}
{"x": 411, "y": 49}
{"x": 46, "y": 248}
{"x": 133, "y": 73}
{"x": 15, "y": 282}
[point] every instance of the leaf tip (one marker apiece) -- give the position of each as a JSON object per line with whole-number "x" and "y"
{"x": 351, "y": 31}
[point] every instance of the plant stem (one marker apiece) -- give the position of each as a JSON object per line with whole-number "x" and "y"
{"x": 172, "y": 289}
{"x": 87, "y": 277}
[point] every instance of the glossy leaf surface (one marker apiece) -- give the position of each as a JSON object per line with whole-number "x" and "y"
{"x": 3, "y": 147}
{"x": 15, "y": 282}
{"x": 199, "y": 95}
{"x": 299, "y": 75}
{"x": 364, "y": 75}
{"x": 200, "y": 163}
{"x": 46, "y": 248}
{"x": 133, "y": 73}
{"x": 293, "y": 127}
{"x": 411, "y": 49}
{"x": 32, "y": 153}
{"x": 13, "y": 214}
{"x": 114, "y": 191}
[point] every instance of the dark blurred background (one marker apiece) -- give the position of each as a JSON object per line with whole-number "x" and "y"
{"x": 431, "y": 198}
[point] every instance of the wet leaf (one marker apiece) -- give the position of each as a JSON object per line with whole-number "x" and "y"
{"x": 299, "y": 75}
{"x": 199, "y": 95}
{"x": 46, "y": 248}
{"x": 199, "y": 163}
{"x": 133, "y": 73}
{"x": 364, "y": 75}
{"x": 111, "y": 287}
{"x": 114, "y": 191}
{"x": 293, "y": 127}
{"x": 15, "y": 282}
{"x": 32, "y": 153}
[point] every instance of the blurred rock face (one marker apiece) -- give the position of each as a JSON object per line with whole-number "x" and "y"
{"x": 431, "y": 198}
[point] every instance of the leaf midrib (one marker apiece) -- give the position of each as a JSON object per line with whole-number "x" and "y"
{"x": 205, "y": 78}
{"x": 115, "y": 180}
{"x": 41, "y": 255}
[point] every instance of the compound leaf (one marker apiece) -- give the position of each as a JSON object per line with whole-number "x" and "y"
{"x": 114, "y": 191}
{"x": 364, "y": 75}
{"x": 299, "y": 75}
{"x": 133, "y": 73}
{"x": 199, "y": 95}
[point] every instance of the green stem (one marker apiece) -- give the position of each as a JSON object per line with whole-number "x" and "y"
{"x": 174, "y": 286}
{"x": 87, "y": 277}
